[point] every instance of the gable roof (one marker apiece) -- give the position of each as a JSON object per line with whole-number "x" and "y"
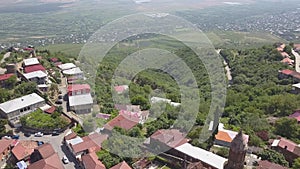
{"x": 70, "y": 135}
{"x": 5, "y": 76}
{"x": 90, "y": 161}
{"x": 286, "y": 72}
{"x": 31, "y": 61}
{"x": 76, "y": 87}
{"x": 66, "y": 66}
{"x": 34, "y": 68}
{"x": 21, "y": 102}
{"x": 52, "y": 162}
{"x": 23, "y": 149}
{"x": 35, "y": 74}
{"x": 78, "y": 100}
{"x": 126, "y": 123}
{"x": 122, "y": 165}
{"x": 73, "y": 71}
{"x": 285, "y": 144}
{"x": 296, "y": 115}
{"x": 202, "y": 155}
{"x": 45, "y": 150}
{"x": 228, "y": 135}
{"x": 4, "y": 144}
{"x": 91, "y": 142}
{"x": 170, "y": 137}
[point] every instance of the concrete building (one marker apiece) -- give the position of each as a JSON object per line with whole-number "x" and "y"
{"x": 38, "y": 76}
{"x": 81, "y": 103}
{"x": 16, "y": 108}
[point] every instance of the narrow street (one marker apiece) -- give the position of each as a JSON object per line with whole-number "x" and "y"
{"x": 56, "y": 142}
{"x": 227, "y": 68}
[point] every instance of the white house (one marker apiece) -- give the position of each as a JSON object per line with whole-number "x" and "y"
{"x": 16, "y": 108}
{"x": 31, "y": 61}
{"x": 66, "y": 66}
{"x": 74, "y": 72}
{"x": 159, "y": 100}
{"x": 38, "y": 76}
{"x": 207, "y": 158}
{"x": 81, "y": 103}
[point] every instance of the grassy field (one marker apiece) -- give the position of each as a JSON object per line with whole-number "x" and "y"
{"x": 220, "y": 39}
{"x": 70, "y": 49}
{"x": 230, "y": 39}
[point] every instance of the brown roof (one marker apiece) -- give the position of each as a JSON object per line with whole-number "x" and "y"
{"x": 170, "y": 137}
{"x": 45, "y": 150}
{"x": 4, "y": 144}
{"x": 90, "y": 161}
{"x": 91, "y": 142}
{"x": 71, "y": 136}
{"x": 268, "y": 165}
{"x": 122, "y": 165}
{"x": 24, "y": 149}
{"x": 52, "y": 162}
{"x": 126, "y": 123}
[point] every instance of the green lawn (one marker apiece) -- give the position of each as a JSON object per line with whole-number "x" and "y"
{"x": 41, "y": 120}
{"x": 69, "y": 49}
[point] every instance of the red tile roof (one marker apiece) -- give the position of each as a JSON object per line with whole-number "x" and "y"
{"x": 126, "y": 123}
{"x": 71, "y": 135}
{"x": 24, "y": 149}
{"x": 172, "y": 137}
{"x": 287, "y": 61}
{"x": 76, "y": 87}
{"x": 4, "y": 144}
{"x": 121, "y": 89}
{"x": 50, "y": 110}
{"x": 91, "y": 142}
{"x": 34, "y": 68}
{"x": 122, "y": 165}
{"x": 296, "y": 115}
{"x": 90, "y": 161}
{"x": 287, "y": 72}
{"x": 54, "y": 60}
{"x": 52, "y": 162}
{"x": 287, "y": 144}
{"x": 5, "y": 76}
{"x": 45, "y": 150}
{"x": 268, "y": 165}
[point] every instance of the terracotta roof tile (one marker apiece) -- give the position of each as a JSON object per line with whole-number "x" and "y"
{"x": 6, "y": 76}
{"x": 122, "y": 165}
{"x": 24, "y": 149}
{"x": 126, "y": 123}
{"x": 90, "y": 161}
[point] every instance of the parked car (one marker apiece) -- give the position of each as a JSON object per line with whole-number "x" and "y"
{"x": 55, "y": 133}
{"x": 15, "y": 136}
{"x": 60, "y": 96}
{"x": 58, "y": 102}
{"x": 7, "y": 137}
{"x": 65, "y": 160}
{"x": 38, "y": 134}
{"x": 27, "y": 134}
{"x": 40, "y": 143}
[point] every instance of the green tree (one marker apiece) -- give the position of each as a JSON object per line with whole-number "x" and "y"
{"x": 296, "y": 164}
{"x": 274, "y": 157}
{"x": 108, "y": 159}
{"x": 25, "y": 89}
{"x": 287, "y": 127}
{"x": 11, "y": 82}
{"x": 4, "y": 95}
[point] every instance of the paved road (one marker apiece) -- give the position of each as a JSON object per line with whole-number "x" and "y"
{"x": 227, "y": 68}
{"x": 297, "y": 62}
